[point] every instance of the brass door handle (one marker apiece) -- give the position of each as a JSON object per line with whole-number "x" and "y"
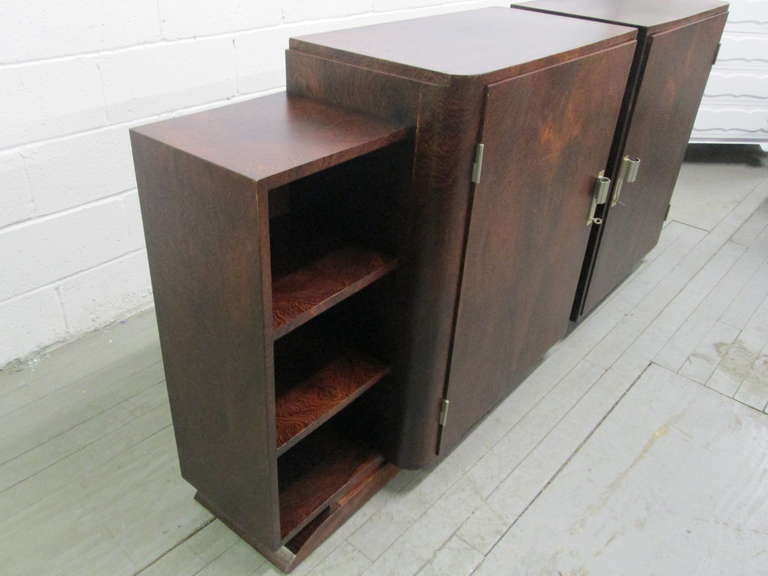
{"x": 630, "y": 167}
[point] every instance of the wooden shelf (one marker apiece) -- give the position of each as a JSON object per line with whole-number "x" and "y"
{"x": 302, "y": 407}
{"x": 302, "y": 294}
{"x": 321, "y": 468}
{"x": 295, "y": 137}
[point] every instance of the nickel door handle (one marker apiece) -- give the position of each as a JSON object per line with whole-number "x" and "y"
{"x": 630, "y": 167}
{"x": 599, "y": 196}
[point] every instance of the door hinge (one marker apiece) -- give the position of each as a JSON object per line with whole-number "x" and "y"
{"x": 717, "y": 53}
{"x": 477, "y": 166}
{"x": 444, "y": 405}
{"x": 666, "y": 214}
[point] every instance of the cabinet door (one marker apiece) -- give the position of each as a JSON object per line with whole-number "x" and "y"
{"x": 672, "y": 84}
{"x": 547, "y": 135}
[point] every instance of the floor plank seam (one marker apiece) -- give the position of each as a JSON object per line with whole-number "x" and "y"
{"x": 73, "y": 453}
{"x": 566, "y": 462}
{"x": 80, "y": 423}
{"x": 758, "y": 410}
{"x": 554, "y": 426}
{"x": 151, "y": 350}
{"x": 694, "y": 225}
{"x": 179, "y": 543}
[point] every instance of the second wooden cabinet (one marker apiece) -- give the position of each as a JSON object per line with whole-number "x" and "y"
{"x": 677, "y": 44}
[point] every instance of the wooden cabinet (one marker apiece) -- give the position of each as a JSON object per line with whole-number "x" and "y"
{"x": 350, "y": 275}
{"x": 273, "y": 234}
{"x": 490, "y": 267}
{"x": 677, "y": 45}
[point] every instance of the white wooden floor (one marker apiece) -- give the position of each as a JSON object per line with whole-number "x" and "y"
{"x": 639, "y": 447}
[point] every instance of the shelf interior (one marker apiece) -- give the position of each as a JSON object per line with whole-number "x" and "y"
{"x": 313, "y": 385}
{"x": 316, "y": 471}
{"x": 299, "y": 295}
{"x": 334, "y": 239}
{"x": 334, "y": 233}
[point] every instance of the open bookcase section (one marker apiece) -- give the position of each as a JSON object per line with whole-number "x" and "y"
{"x": 323, "y": 367}
{"x": 304, "y": 293}
{"x": 328, "y": 373}
{"x": 316, "y": 472}
{"x": 274, "y": 233}
{"x": 334, "y": 243}
{"x": 333, "y": 234}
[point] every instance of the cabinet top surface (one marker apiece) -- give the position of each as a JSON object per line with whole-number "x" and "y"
{"x": 650, "y": 14}
{"x": 471, "y": 43}
{"x": 274, "y": 139}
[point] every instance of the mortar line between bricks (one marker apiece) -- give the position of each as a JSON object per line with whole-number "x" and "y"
{"x": 65, "y": 211}
{"x": 164, "y": 41}
{"x": 58, "y": 281}
{"x": 237, "y": 96}
{"x": 127, "y": 124}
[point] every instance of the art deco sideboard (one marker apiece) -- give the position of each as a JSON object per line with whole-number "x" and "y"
{"x": 350, "y": 275}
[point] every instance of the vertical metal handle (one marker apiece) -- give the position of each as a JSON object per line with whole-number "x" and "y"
{"x": 633, "y": 168}
{"x": 599, "y": 196}
{"x": 628, "y": 171}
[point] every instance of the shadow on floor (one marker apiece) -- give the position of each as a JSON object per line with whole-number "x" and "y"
{"x": 748, "y": 154}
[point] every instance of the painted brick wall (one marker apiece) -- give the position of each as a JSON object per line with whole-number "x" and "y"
{"x": 735, "y": 105}
{"x": 74, "y": 76}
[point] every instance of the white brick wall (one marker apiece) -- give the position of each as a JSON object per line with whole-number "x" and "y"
{"x": 74, "y": 76}
{"x": 735, "y": 105}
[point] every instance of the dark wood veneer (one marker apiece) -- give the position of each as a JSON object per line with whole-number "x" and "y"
{"x": 316, "y": 472}
{"x": 433, "y": 73}
{"x": 301, "y": 407}
{"x": 651, "y": 15}
{"x": 677, "y": 65}
{"x": 488, "y": 43}
{"x": 677, "y": 42}
{"x": 302, "y": 294}
{"x": 262, "y": 230}
{"x": 275, "y": 139}
{"x": 328, "y": 269}
{"x": 528, "y": 232}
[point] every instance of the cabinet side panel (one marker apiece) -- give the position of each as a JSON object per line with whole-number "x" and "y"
{"x": 668, "y": 99}
{"x": 447, "y": 121}
{"x": 547, "y": 135}
{"x": 206, "y": 254}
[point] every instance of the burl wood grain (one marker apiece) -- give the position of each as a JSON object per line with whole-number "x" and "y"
{"x": 204, "y": 182}
{"x": 302, "y": 407}
{"x": 275, "y": 139}
{"x": 306, "y": 540}
{"x": 402, "y": 72}
{"x": 489, "y": 42}
{"x": 528, "y": 230}
{"x": 316, "y": 472}
{"x": 302, "y": 294}
{"x": 205, "y": 252}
